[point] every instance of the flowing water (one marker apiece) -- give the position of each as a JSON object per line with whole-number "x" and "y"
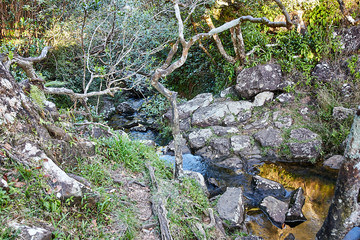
{"x": 317, "y": 185}
{"x": 318, "y": 190}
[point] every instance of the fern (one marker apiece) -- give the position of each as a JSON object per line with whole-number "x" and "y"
{"x": 37, "y": 96}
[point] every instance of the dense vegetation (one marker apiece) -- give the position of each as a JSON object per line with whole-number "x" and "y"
{"x": 118, "y": 44}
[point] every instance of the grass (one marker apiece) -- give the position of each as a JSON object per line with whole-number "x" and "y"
{"x": 114, "y": 216}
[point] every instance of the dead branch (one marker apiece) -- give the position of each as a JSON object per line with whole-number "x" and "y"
{"x": 27, "y": 64}
{"x": 159, "y": 207}
{"x": 74, "y": 96}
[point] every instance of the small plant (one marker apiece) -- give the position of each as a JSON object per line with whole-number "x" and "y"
{"x": 353, "y": 63}
{"x": 37, "y": 96}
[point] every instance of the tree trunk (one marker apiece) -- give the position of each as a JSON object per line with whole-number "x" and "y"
{"x": 24, "y": 131}
{"x": 344, "y": 212}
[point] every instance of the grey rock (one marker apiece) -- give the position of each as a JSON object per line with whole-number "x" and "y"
{"x": 125, "y": 108}
{"x": 275, "y": 210}
{"x": 206, "y": 153}
{"x": 268, "y": 187}
{"x": 139, "y": 128}
{"x": 341, "y": 113}
{"x": 350, "y": 38}
{"x": 148, "y": 142}
{"x": 228, "y": 91}
{"x": 262, "y": 98}
{"x": 122, "y": 134}
{"x": 221, "y": 145}
{"x": 259, "y": 124}
{"x": 334, "y": 162}
{"x": 3, "y": 183}
{"x": 230, "y": 120}
{"x": 107, "y": 107}
{"x": 31, "y": 233}
{"x": 222, "y": 131}
{"x": 215, "y": 113}
{"x": 282, "y": 121}
{"x": 199, "y": 178}
{"x": 347, "y": 90}
{"x": 252, "y": 81}
{"x": 98, "y": 132}
{"x": 233, "y": 165}
{"x": 86, "y": 148}
{"x": 303, "y": 134}
{"x": 50, "y": 107}
{"x": 187, "y": 108}
{"x": 323, "y": 72}
{"x": 269, "y": 137}
{"x": 240, "y": 143}
{"x": 304, "y": 144}
{"x": 237, "y": 107}
{"x": 170, "y": 148}
{"x": 285, "y": 98}
{"x": 294, "y": 215}
{"x": 211, "y": 115}
{"x": 185, "y": 124}
{"x": 231, "y": 206}
{"x": 309, "y": 150}
{"x": 198, "y": 138}
{"x": 243, "y": 116}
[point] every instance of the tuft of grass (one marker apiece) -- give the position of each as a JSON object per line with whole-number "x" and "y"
{"x": 133, "y": 155}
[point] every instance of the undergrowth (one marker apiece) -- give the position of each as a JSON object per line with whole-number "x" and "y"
{"x": 31, "y": 198}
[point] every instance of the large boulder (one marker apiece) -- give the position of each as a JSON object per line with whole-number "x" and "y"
{"x": 323, "y": 73}
{"x": 266, "y": 187}
{"x": 281, "y": 121}
{"x": 304, "y": 144}
{"x": 275, "y": 210}
{"x": 198, "y": 138}
{"x": 220, "y": 113}
{"x": 231, "y": 206}
{"x": 125, "y": 108}
{"x": 269, "y": 137}
{"x": 240, "y": 143}
{"x": 251, "y": 81}
{"x": 350, "y": 39}
{"x": 341, "y": 113}
{"x": 232, "y": 165}
{"x": 187, "y": 108}
{"x": 294, "y": 215}
{"x": 262, "y": 98}
{"x": 31, "y": 233}
{"x": 221, "y": 145}
{"x": 334, "y": 162}
{"x": 222, "y": 131}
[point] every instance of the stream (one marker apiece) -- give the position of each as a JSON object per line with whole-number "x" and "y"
{"x": 318, "y": 184}
{"x": 318, "y": 190}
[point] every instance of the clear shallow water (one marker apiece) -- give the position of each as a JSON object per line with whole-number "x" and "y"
{"x": 190, "y": 162}
{"x": 318, "y": 191}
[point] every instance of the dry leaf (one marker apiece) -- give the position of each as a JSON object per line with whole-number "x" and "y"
{"x": 19, "y": 184}
{"x": 58, "y": 188}
{"x": 7, "y": 146}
